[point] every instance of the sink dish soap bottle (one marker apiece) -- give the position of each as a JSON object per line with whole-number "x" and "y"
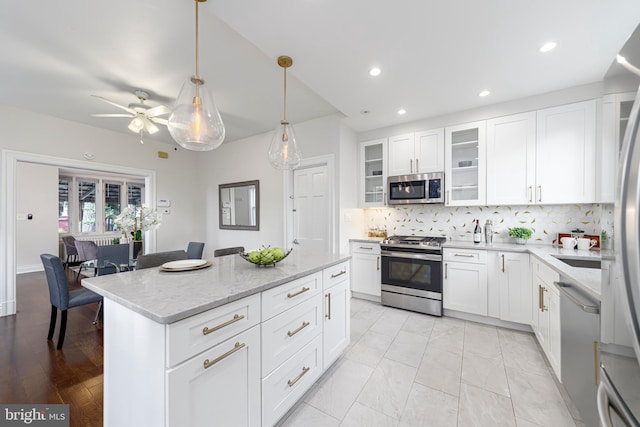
{"x": 477, "y": 232}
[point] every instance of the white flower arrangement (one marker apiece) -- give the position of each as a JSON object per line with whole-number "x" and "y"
{"x": 132, "y": 220}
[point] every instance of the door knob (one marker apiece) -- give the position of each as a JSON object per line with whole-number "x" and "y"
{"x": 295, "y": 242}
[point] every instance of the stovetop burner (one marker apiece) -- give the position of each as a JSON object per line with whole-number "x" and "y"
{"x": 433, "y": 241}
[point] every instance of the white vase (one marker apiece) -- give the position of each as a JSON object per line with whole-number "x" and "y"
{"x": 520, "y": 241}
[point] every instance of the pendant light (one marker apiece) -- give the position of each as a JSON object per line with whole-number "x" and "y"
{"x": 283, "y": 151}
{"x": 195, "y": 122}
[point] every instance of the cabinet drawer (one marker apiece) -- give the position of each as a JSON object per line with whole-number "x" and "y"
{"x": 284, "y": 386}
{"x": 334, "y": 275}
{"x": 288, "y": 332}
{"x": 280, "y": 298}
{"x": 365, "y": 248}
{"x": 465, "y": 255}
{"x": 195, "y": 334}
{"x": 544, "y": 272}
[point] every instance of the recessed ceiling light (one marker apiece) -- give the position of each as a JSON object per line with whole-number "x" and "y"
{"x": 402, "y": 111}
{"x": 548, "y": 46}
{"x": 484, "y": 93}
{"x": 375, "y": 71}
{"x": 365, "y": 112}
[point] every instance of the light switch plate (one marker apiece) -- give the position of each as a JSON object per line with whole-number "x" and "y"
{"x": 21, "y": 217}
{"x": 164, "y": 203}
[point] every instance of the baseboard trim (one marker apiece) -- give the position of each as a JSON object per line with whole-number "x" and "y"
{"x": 487, "y": 320}
{"x": 29, "y": 268}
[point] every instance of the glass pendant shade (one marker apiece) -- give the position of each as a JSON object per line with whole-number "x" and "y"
{"x": 283, "y": 151}
{"x": 195, "y": 123}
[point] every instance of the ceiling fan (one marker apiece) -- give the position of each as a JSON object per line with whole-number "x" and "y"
{"x": 143, "y": 117}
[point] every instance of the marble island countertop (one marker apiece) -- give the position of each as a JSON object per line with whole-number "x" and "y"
{"x": 166, "y": 297}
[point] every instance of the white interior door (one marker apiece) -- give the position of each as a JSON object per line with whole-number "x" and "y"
{"x": 312, "y": 210}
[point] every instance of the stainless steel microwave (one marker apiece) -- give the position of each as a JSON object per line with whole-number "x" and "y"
{"x": 415, "y": 189}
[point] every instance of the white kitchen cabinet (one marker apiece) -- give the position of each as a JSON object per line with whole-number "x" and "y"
{"x": 465, "y": 281}
{"x": 511, "y": 161}
{"x": 365, "y": 270}
{"x": 546, "y": 312}
{"x": 565, "y": 154}
{"x": 465, "y": 175}
{"x": 373, "y": 173}
{"x": 337, "y": 315}
{"x": 514, "y": 286}
{"x": 421, "y": 152}
{"x": 616, "y": 109}
{"x": 222, "y": 384}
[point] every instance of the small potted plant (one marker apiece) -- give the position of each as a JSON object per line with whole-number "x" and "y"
{"x": 522, "y": 234}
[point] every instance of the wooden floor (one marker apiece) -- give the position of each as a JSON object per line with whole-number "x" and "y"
{"x": 33, "y": 371}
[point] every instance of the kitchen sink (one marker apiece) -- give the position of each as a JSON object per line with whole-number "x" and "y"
{"x": 583, "y": 263}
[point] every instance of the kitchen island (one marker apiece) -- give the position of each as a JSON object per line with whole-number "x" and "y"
{"x": 231, "y": 344}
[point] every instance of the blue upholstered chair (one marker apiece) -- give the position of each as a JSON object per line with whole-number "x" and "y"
{"x": 69, "y": 243}
{"x": 158, "y": 258}
{"x": 194, "y": 250}
{"x": 61, "y": 298}
{"x": 228, "y": 251}
{"x": 117, "y": 257}
{"x": 87, "y": 251}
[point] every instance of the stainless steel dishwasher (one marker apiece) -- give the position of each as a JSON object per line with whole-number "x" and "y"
{"x": 580, "y": 336}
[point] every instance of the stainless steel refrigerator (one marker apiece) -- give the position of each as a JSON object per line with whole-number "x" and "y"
{"x": 618, "y": 395}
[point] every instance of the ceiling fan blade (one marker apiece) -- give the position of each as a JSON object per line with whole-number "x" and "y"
{"x": 110, "y": 115}
{"x": 159, "y": 120}
{"x": 160, "y": 110}
{"x": 122, "y": 107}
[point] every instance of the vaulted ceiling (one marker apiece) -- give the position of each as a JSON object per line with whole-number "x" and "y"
{"x": 435, "y": 56}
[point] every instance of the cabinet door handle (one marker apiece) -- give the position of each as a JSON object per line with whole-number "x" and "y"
{"x": 235, "y": 348}
{"x": 292, "y": 382}
{"x": 236, "y": 318}
{"x": 464, "y": 255}
{"x": 446, "y": 197}
{"x": 364, "y": 247}
{"x": 596, "y": 362}
{"x": 446, "y": 270}
{"x": 301, "y": 291}
{"x": 333, "y": 276}
{"x": 301, "y": 327}
{"x": 544, "y": 307}
{"x": 378, "y": 264}
{"x": 530, "y": 194}
{"x": 417, "y": 167}
{"x": 411, "y": 165}
{"x": 540, "y": 297}
{"x": 503, "y": 263}
{"x": 539, "y": 193}
{"x": 328, "y": 315}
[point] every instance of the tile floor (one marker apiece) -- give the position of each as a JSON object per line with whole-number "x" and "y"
{"x": 408, "y": 369}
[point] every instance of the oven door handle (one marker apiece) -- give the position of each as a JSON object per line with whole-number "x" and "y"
{"x": 426, "y": 257}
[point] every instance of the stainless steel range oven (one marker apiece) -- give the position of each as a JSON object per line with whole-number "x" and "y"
{"x": 412, "y": 273}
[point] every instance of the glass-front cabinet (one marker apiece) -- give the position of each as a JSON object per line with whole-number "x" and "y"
{"x": 373, "y": 173}
{"x": 465, "y": 163}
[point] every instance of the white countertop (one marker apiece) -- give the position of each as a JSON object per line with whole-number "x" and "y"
{"x": 166, "y": 297}
{"x": 589, "y": 279}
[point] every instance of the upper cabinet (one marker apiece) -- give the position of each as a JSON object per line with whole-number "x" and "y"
{"x": 373, "y": 173}
{"x": 421, "y": 152}
{"x": 616, "y": 109}
{"x": 565, "y": 154}
{"x": 465, "y": 176}
{"x": 511, "y": 159}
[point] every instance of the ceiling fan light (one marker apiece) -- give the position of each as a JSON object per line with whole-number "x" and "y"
{"x": 136, "y": 125}
{"x": 195, "y": 123}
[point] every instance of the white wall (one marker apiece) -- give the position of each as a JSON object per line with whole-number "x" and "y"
{"x": 37, "y": 194}
{"x": 351, "y": 219}
{"x": 177, "y": 176}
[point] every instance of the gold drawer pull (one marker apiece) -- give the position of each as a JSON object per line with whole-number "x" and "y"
{"x": 304, "y": 325}
{"x": 333, "y": 276}
{"x": 235, "y": 348}
{"x": 328, "y": 315}
{"x": 236, "y": 318}
{"x": 301, "y": 291}
{"x": 296, "y": 379}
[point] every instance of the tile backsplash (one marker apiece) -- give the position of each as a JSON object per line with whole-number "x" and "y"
{"x": 457, "y": 223}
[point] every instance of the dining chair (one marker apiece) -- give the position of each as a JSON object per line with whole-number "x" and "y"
{"x": 228, "y": 251}
{"x": 61, "y": 298}
{"x": 70, "y": 249}
{"x": 194, "y": 250}
{"x": 87, "y": 251}
{"x": 116, "y": 256}
{"x": 158, "y": 258}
